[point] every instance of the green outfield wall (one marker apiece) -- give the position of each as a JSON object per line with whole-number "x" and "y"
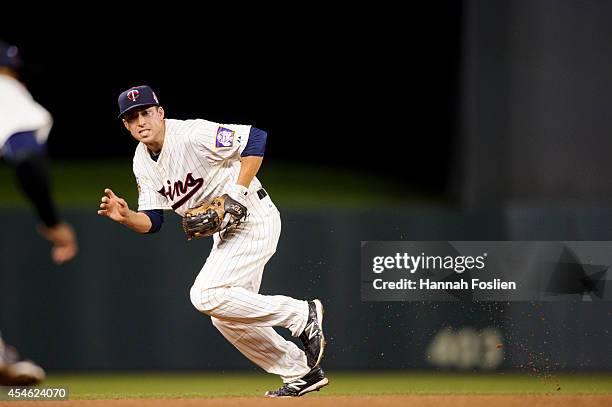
{"x": 124, "y": 302}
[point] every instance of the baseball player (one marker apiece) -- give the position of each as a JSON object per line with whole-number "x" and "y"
{"x": 24, "y": 127}
{"x": 178, "y": 164}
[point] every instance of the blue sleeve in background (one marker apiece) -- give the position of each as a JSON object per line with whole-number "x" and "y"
{"x": 22, "y": 145}
{"x": 27, "y": 158}
{"x": 256, "y": 144}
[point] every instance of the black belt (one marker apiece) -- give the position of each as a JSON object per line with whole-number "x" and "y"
{"x": 262, "y": 193}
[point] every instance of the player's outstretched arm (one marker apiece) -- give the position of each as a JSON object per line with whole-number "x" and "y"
{"x": 26, "y": 156}
{"x": 118, "y": 210}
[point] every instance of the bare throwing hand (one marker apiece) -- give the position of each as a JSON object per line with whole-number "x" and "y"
{"x": 114, "y": 207}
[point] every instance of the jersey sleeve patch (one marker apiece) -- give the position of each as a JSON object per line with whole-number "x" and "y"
{"x": 225, "y": 137}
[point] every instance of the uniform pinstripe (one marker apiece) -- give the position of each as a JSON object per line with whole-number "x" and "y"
{"x": 228, "y": 284}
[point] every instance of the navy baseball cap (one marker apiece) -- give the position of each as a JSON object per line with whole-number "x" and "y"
{"x": 9, "y": 56}
{"x": 136, "y": 97}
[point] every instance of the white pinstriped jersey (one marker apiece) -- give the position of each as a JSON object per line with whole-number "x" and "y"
{"x": 19, "y": 112}
{"x": 199, "y": 160}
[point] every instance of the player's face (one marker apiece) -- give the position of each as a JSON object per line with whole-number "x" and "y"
{"x": 146, "y": 125}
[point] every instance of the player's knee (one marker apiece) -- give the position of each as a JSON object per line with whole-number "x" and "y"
{"x": 196, "y": 294}
{"x": 203, "y": 299}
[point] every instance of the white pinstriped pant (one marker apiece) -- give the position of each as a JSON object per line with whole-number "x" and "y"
{"x": 227, "y": 289}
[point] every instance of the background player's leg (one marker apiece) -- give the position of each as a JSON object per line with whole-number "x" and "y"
{"x": 266, "y": 348}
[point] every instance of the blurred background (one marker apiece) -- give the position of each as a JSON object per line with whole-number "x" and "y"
{"x": 451, "y": 120}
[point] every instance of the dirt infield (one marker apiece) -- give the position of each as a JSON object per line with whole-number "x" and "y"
{"x": 341, "y": 401}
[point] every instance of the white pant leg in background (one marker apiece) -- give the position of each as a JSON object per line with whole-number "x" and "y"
{"x": 227, "y": 289}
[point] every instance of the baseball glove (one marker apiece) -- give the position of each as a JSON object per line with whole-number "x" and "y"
{"x": 220, "y": 215}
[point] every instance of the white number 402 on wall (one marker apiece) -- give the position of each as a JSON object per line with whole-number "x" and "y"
{"x": 467, "y": 348}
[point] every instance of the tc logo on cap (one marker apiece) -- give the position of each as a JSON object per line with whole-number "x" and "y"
{"x": 133, "y": 95}
{"x": 136, "y": 96}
